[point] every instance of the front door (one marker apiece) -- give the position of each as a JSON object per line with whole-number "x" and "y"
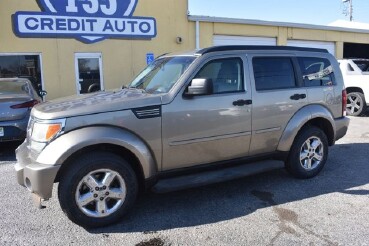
{"x": 88, "y": 72}
{"x": 209, "y": 128}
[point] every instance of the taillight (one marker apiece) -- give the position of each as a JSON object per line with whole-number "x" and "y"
{"x": 344, "y": 102}
{"x": 28, "y": 104}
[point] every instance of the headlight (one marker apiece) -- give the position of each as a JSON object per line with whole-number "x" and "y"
{"x": 45, "y": 131}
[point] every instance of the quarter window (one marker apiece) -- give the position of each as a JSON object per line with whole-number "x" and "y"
{"x": 350, "y": 68}
{"x": 273, "y": 73}
{"x": 226, "y": 74}
{"x": 316, "y": 71}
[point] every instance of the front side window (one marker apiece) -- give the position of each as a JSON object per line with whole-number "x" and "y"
{"x": 273, "y": 73}
{"x": 162, "y": 74}
{"x": 316, "y": 71}
{"x": 226, "y": 74}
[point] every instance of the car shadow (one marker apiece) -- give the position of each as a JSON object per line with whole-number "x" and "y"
{"x": 238, "y": 198}
{"x": 365, "y": 113}
{"x": 7, "y": 151}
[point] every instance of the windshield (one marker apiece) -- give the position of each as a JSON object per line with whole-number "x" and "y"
{"x": 162, "y": 74}
{"x": 362, "y": 64}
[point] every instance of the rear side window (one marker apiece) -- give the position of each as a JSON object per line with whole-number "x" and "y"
{"x": 273, "y": 73}
{"x": 316, "y": 71}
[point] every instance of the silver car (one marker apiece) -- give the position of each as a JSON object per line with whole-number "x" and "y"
{"x": 186, "y": 120}
{"x": 17, "y": 97}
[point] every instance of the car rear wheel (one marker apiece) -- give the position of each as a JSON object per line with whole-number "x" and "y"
{"x": 97, "y": 189}
{"x": 308, "y": 154}
{"x": 356, "y": 104}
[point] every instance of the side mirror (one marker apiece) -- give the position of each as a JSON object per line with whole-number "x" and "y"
{"x": 200, "y": 87}
{"x": 42, "y": 93}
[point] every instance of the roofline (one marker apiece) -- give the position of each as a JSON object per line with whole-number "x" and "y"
{"x": 257, "y": 47}
{"x": 202, "y": 18}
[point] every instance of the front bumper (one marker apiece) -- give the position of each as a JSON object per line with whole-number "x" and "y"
{"x": 341, "y": 127}
{"x": 38, "y": 178}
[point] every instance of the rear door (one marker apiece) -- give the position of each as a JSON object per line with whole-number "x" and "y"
{"x": 319, "y": 80}
{"x": 277, "y": 95}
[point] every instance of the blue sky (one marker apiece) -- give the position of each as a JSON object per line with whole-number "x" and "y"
{"x": 320, "y": 12}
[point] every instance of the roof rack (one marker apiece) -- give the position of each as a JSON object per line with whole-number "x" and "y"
{"x": 257, "y": 47}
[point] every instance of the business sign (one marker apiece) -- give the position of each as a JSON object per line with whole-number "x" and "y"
{"x": 89, "y": 21}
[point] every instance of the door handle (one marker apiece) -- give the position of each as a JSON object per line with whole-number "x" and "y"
{"x": 298, "y": 96}
{"x": 242, "y": 102}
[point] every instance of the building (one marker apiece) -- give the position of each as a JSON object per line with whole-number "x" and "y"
{"x": 72, "y": 47}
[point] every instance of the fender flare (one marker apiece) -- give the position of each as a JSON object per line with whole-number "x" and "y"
{"x": 59, "y": 150}
{"x": 302, "y": 117}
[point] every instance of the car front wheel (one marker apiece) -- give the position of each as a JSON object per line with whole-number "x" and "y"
{"x": 97, "y": 189}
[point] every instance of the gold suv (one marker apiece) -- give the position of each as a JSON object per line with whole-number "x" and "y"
{"x": 186, "y": 120}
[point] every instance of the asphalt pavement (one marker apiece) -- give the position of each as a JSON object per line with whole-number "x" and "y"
{"x": 267, "y": 209}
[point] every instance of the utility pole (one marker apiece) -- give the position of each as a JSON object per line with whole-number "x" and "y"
{"x": 350, "y": 9}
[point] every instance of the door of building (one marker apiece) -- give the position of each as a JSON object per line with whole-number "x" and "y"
{"x": 89, "y": 75}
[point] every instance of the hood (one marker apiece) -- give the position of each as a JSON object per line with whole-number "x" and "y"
{"x": 99, "y": 102}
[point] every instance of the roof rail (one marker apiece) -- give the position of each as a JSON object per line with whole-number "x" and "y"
{"x": 257, "y": 47}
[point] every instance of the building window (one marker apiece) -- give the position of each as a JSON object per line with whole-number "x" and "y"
{"x": 22, "y": 66}
{"x": 273, "y": 73}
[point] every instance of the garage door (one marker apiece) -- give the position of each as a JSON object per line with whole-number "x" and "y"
{"x": 240, "y": 40}
{"x": 330, "y": 46}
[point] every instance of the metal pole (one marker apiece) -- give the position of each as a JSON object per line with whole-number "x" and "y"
{"x": 351, "y": 10}
{"x": 197, "y": 35}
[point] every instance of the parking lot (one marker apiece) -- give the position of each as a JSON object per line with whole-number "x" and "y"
{"x": 267, "y": 209}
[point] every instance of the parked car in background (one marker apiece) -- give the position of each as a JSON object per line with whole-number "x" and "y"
{"x": 356, "y": 77}
{"x": 17, "y": 97}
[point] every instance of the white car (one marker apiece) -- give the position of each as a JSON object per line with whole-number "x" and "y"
{"x": 356, "y": 77}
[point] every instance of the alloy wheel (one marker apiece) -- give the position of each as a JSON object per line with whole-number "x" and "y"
{"x": 100, "y": 193}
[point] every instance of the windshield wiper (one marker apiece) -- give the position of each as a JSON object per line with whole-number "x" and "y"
{"x": 136, "y": 88}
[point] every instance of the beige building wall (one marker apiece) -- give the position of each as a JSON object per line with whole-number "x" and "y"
{"x": 281, "y": 33}
{"x": 122, "y": 59}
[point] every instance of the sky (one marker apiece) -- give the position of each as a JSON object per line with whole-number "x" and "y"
{"x": 318, "y": 12}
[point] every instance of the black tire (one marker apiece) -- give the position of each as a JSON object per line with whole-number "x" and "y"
{"x": 356, "y": 104}
{"x": 97, "y": 165}
{"x": 300, "y": 168}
